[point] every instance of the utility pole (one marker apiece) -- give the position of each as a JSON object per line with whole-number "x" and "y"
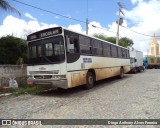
{"x": 86, "y": 26}
{"x": 87, "y": 20}
{"x": 119, "y": 22}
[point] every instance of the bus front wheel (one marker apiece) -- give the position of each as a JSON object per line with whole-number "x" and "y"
{"x": 135, "y": 71}
{"x": 89, "y": 80}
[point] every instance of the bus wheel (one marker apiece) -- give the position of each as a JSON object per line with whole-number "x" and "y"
{"x": 135, "y": 71}
{"x": 121, "y": 73}
{"x": 89, "y": 80}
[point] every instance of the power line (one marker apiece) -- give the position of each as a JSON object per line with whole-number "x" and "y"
{"x": 77, "y": 19}
{"x": 138, "y": 32}
{"x": 102, "y": 28}
{"x": 49, "y": 11}
{"x": 60, "y": 14}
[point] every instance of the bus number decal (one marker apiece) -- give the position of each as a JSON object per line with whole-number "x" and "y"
{"x": 87, "y": 60}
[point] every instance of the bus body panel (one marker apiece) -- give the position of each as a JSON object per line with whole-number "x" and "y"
{"x": 96, "y": 62}
{"x": 76, "y": 78}
{"x": 54, "y": 75}
{"x": 79, "y": 77}
{"x": 104, "y": 67}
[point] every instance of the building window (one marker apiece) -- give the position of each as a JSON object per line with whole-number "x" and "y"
{"x": 152, "y": 50}
{"x": 152, "y": 60}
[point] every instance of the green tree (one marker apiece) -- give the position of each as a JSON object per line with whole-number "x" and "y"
{"x": 125, "y": 42}
{"x": 103, "y": 37}
{"x": 11, "y": 48}
{"x": 4, "y": 5}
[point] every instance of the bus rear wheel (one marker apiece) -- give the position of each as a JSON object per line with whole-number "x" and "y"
{"x": 90, "y": 80}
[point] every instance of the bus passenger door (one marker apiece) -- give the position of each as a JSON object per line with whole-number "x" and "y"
{"x": 73, "y": 59}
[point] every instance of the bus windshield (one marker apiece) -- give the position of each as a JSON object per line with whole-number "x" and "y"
{"x": 46, "y": 51}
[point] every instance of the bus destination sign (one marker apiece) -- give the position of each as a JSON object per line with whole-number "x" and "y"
{"x": 45, "y": 33}
{"x": 49, "y": 33}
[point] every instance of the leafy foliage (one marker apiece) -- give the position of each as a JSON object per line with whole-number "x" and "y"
{"x": 103, "y": 37}
{"x": 125, "y": 42}
{"x": 7, "y": 7}
{"x": 11, "y": 48}
{"x": 25, "y": 89}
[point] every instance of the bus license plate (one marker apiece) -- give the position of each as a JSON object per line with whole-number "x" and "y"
{"x": 29, "y": 82}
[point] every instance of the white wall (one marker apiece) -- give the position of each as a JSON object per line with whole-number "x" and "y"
{"x": 19, "y": 72}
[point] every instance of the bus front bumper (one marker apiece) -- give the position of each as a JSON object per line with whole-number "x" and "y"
{"x": 62, "y": 83}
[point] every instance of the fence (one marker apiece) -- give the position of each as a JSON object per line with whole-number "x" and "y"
{"x": 19, "y": 72}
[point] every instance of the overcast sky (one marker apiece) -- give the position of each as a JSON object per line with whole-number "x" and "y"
{"x": 142, "y": 16}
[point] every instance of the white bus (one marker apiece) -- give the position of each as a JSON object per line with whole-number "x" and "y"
{"x": 63, "y": 58}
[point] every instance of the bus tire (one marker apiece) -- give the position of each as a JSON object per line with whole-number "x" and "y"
{"x": 135, "y": 71}
{"x": 90, "y": 80}
{"x": 121, "y": 73}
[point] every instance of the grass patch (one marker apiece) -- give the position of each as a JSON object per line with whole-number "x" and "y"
{"x": 26, "y": 90}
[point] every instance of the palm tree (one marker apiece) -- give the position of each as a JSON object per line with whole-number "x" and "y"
{"x": 7, "y": 7}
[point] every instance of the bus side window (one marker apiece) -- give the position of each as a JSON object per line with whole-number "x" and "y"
{"x": 76, "y": 47}
{"x": 85, "y": 45}
{"x": 114, "y": 50}
{"x": 127, "y": 53}
{"x": 72, "y": 44}
{"x": 106, "y": 49}
{"x": 68, "y": 44}
{"x": 124, "y": 53}
{"x": 119, "y": 52}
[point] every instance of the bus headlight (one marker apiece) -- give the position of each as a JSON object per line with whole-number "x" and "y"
{"x": 30, "y": 77}
{"x": 57, "y": 77}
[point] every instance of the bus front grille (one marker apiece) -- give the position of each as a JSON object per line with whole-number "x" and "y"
{"x": 43, "y": 76}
